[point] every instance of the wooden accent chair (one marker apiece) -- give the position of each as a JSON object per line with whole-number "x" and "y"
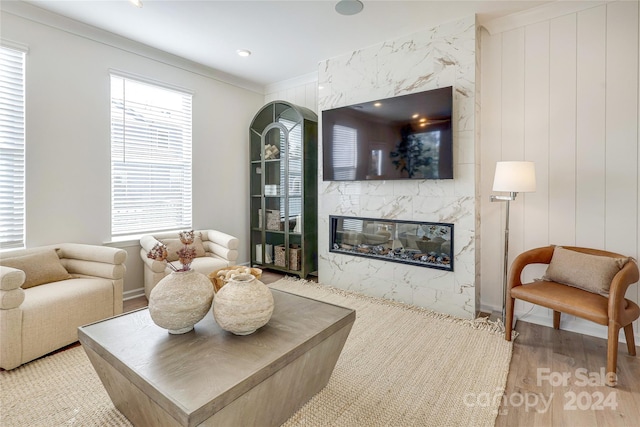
{"x": 610, "y": 309}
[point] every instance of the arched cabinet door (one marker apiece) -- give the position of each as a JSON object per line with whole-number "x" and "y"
{"x": 283, "y": 188}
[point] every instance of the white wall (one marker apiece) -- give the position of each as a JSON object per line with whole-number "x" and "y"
{"x": 562, "y": 91}
{"x": 68, "y": 135}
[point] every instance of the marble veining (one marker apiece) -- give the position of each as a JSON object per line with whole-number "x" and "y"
{"x": 436, "y": 57}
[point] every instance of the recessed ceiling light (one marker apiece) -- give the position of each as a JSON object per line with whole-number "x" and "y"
{"x": 136, "y": 3}
{"x": 377, "y": 104}
{"x": 243, "y": 52}
{"x": 349, "y": 7}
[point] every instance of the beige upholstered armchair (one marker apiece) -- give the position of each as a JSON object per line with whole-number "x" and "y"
{"x": 214, "y": 250}
{"x": 47, "y": 292}
{"x": 587, "y": 283}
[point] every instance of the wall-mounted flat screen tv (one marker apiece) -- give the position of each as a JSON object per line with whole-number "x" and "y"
{"x": 403, "y": 137}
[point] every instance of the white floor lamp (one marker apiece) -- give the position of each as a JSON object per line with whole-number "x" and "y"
{"x": 513, "y": 178}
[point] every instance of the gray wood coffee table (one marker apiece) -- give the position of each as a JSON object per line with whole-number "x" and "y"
{"x": 211, "y": 377}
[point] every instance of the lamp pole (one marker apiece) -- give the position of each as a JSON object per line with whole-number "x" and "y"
{"x": 507, "y": 199}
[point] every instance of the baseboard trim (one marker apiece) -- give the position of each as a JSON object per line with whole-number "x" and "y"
{"x": 574, "y": 324}
{"x": 134, "y": 293}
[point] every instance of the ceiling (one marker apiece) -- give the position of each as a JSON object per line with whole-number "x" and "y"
{"x": 287, "y": 38}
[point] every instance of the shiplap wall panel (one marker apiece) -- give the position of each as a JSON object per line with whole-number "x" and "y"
{"x": 590, "y": 127}
{"x": 536, "y": 148}
{"x": 513, "y": 66}
{"x": 311, "y": 96}
{"x": 562, "y": 130}
{"x": 491, "y": 214}
{"x": 536, "y": 127}
{"x": 622, "y": 127}
{"x": 593, "y": 123}
{"x": 634, "y": 291}
{"x": 303, "y": 95}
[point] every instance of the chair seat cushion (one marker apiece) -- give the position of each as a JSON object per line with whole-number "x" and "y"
{"x": 565, "y": 299}
{"x": 51, "y": 313}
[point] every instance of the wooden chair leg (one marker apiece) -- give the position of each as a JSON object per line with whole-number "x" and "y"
{"x": 508, "y": 321}
{"x": 628, "y": 334}
{"x": 612, "y": 353}
{"x": 556, "y": 319}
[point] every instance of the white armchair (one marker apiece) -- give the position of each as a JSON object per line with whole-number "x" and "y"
{"x": 46, "y": 292}
{"x": 214, "y": 250}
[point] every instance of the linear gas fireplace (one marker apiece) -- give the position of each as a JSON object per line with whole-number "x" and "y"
{"x": 424, "y": 244}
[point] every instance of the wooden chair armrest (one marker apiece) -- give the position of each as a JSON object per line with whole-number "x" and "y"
{"x": 532, "y": 256}
{"x": 627, "y": 276}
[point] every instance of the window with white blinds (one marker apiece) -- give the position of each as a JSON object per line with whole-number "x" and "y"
{"x": 12, "y": 148}
{"x": 150, "y": 158}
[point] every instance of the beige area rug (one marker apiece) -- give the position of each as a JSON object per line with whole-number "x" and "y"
{"x": 401, "y": 366}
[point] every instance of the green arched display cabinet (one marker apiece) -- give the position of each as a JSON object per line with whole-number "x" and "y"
{"x": 284, "y": 188}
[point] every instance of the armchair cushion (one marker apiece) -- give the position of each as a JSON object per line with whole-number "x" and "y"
{"x": 588, "y": 272}
{"x": 174, "y": 245}
{"x": 39, "y": 267}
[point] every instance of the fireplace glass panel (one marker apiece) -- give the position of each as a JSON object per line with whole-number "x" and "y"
{"x": 425, "y": 244}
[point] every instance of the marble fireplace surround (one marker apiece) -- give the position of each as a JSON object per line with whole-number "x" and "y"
{"x": 437, "y": 57}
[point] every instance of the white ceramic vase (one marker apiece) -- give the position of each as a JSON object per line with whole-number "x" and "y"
{"x": 180, "y": 300}
{"x": 243, "y": 305}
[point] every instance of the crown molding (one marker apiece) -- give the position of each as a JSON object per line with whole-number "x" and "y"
{"x": 537, "y": 14}
{"x": 44, "y": 17}
{"x": 291, "y": 83}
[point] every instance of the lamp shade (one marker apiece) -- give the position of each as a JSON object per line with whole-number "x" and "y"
{"x": 515, "y": 177}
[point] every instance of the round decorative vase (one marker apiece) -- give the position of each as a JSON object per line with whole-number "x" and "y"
{"x": 243, "y": 305}
{"x": 180, "y": 300}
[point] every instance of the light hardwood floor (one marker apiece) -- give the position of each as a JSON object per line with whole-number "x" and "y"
{"x": 566, "y": 369}
{"x": 553, "y": 378}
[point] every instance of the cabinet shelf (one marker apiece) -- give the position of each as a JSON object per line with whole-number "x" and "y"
{"x": 294, "y": 130}
{"x": 291, "y": 233}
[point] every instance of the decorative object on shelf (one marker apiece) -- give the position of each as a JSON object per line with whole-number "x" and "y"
{"x": 180, "y": 300}
{"x": 268, "y": 253}
{"x": 294, "y": 256}
{"x": 243, "y": 305}
{"x": 271, "y": 152}
{"x": 271, "y": 190}
{"x": 273, "y": 219}
{"x": 186, "y": 254}
{"x": 221, "y": 276}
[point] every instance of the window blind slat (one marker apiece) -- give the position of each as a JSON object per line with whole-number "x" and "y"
{"x": 150, "y": 158}
{"x": 12, "y": 148}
